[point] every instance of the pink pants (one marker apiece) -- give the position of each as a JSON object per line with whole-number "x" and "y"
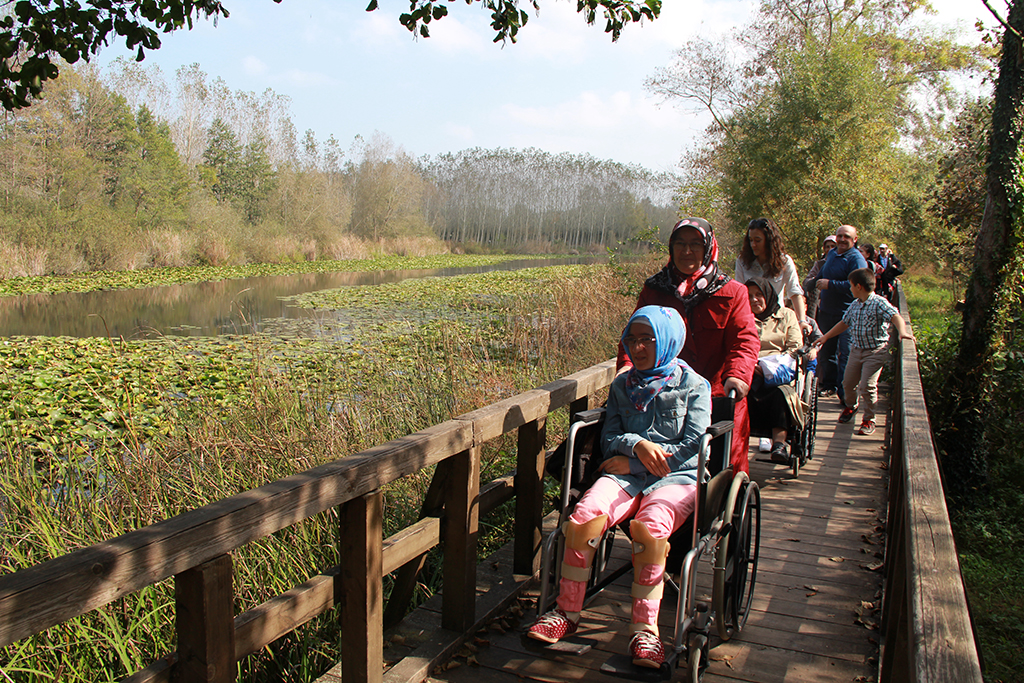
{"x": 662, "y": 511}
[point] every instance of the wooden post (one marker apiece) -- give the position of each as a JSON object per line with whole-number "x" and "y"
{"x": 529, "y": 486}
{"x": 461, "y": 514}
{"x": 204, "y": 613}
{"x": 361, "y": 536}
{"x": 578, "y": 406}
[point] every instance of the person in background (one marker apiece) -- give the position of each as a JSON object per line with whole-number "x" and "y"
{"x": 810, "y": 291}
{"x": 871, "y": 256}
{"x": 763, "y": 254}
{"x": 892, "y": 268}
{"x": 772, "y": 401}
{"x": 721, "y": 339}
{"x": 868, "y": 319}
{"x": 834, "y": 287}
{"x": 657, "y": 413}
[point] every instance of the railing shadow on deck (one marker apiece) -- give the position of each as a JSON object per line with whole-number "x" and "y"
{"x": 927, "y": 636}
{"x": 926, "y": 629}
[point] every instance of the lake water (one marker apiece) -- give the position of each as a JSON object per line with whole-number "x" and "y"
{"x": 203, "y": 309}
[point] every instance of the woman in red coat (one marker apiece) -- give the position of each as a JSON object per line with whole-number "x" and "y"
{"x": 721, "y": 337}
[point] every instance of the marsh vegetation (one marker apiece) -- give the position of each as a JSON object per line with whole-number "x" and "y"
{"x": 103, "y": 436}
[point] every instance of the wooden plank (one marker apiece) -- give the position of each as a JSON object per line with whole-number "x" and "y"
{"x": 941, "y": 638}
{"x": 504, "y": 416}
{"x": 439, "y": 644}
{"x": 460, "y": 541}
{"x": 529, "y": 485}
{"x": 204, "y": 613}
{"x": 361, "y": 525}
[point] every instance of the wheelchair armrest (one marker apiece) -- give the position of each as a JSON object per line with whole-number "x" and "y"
{"x": 589, "y": 417}
{"x": 719, "y": 428}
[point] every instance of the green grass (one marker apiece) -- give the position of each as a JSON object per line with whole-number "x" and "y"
{"x": 99, "y": 438}
{"x": 989, "y": 532}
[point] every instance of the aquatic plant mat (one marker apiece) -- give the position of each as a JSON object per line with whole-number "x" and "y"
{"x": 101, "y": 437}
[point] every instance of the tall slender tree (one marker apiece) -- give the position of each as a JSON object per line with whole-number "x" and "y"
{"x": 997, "y": 255}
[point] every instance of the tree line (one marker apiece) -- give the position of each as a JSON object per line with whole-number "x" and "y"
{"x": 124, "y": 170}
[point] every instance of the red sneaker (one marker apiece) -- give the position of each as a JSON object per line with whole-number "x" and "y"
{"x": 552, "y": 627}
{"x": 847, "y": 414}
{"x": 867, "y": 427}
{"x": 647, "y": 650}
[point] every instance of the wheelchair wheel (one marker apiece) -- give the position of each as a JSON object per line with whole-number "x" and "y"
{"x": 736, "y": 561}
{"x": 796, "y": 454}
{"x": 810, "y": 421}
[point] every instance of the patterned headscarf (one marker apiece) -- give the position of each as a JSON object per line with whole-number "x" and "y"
{"x": 771, "y": 297}
{"x": 669, "y": 335}
{"x": 706, "y": 280}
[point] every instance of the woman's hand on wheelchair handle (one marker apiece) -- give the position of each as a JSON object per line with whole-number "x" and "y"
{"x": 739, "y": 386}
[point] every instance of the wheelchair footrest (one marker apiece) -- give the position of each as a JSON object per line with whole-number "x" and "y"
{"x": 623, "y": 667}
{"x": 568, "y": 646}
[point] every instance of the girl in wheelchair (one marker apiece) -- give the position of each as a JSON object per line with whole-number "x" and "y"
{"x": 656, "y": 415}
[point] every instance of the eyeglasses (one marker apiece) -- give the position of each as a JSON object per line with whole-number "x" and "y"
{"x": 632, "y": 341}
{"x": 689, "y": 246}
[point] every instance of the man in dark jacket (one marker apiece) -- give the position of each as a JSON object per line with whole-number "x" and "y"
{"x": 834, "y": 285}
{"x": 891, "y": 269}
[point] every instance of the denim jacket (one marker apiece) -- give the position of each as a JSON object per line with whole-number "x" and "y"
{"x": 675, "y": 420}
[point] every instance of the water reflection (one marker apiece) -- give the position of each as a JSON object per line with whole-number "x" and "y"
{"x": 203, "y": 309}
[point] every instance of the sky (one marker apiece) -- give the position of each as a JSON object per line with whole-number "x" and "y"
{"x": 563, "y": 87}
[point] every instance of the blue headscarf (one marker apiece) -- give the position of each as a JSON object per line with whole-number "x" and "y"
{"x": 669, "y": 335}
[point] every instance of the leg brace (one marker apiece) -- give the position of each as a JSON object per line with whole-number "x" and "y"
{"x": 647, "y": 550}
{"x": 583, "y": 538}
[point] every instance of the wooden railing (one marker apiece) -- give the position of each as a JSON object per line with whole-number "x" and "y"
{"x": 195, "y": 548}
{"x": 926, "y": 625}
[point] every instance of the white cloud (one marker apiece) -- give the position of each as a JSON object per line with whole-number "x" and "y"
{"x": 378, "y": 29}
{"x": 463, "y": 135}
{"x": 254, "y": 66}
{"x": 451, "y": 36}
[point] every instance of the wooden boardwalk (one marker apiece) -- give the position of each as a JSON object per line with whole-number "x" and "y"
{"x": 814, "y": 614}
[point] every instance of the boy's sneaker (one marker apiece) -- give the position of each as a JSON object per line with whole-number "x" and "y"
{"x": 847, "y": 414}
{"x": 867, "y": 427}
{"x": 551, "y": 627}
{"x": 764, "y": 445}
{"x": 646, "y": 650}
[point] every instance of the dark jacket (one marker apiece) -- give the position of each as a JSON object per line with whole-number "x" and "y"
{"x": 837, "y": 297}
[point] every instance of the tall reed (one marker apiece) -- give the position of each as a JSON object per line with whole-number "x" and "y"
{"x": 284, "y": 412}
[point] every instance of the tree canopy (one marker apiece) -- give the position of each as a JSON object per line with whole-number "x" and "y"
{"x": 816, "y": 123}
{"x": 32, "y": 32}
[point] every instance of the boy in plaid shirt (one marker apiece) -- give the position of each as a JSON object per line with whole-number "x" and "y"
{"x": 868, "y": 319}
